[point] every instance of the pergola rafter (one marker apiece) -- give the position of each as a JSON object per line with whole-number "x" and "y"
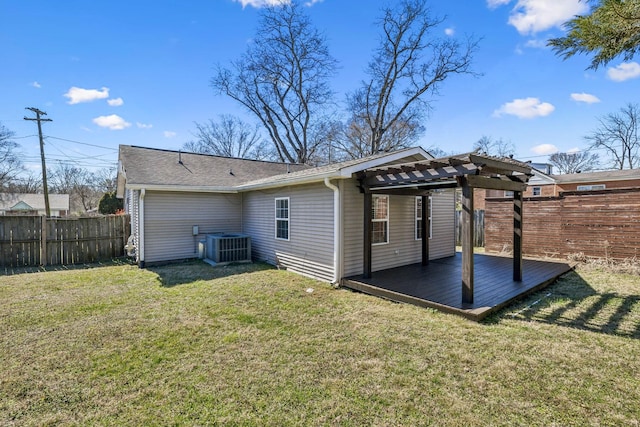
{"x": 467, "y": 171}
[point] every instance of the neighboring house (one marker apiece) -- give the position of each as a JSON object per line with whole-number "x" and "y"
{"x": 308, "y": 220}
{"x": 545, "y": 185}
{"x": 33, "y": 204}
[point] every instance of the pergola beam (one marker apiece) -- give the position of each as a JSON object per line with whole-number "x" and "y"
{"x": 506, "y": 184}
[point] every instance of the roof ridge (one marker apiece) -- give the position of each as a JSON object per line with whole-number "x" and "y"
{"x": 166, "y": 150}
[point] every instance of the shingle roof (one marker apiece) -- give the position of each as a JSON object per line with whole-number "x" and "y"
{"x": 331, "y": 169}
{"x": 57, "y": 202}
{"x": 613, "y": 175}
{"x": 150, "y": 166}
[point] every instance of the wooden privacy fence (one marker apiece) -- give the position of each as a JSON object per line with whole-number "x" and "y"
{"x": 65, "y": 241}
{"x": 478, "y": 228}
{"x": 602, "y": 224}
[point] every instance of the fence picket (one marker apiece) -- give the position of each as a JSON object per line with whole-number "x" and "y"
{"x": 69, "y": 240}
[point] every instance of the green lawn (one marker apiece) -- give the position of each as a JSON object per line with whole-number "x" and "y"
{"x": 248, "y": 345}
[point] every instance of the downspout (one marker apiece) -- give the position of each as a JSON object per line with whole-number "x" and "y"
{"x": 337, "y": 241}
{"x": 141, "y": 230}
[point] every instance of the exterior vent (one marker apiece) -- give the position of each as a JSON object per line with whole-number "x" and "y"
{"x": 226, "y": 248}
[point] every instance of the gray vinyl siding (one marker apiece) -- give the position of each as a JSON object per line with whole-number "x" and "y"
{"x": 169, "y": 218}
{"x": 403, "y": 248}
{"x": 309, "y": 250}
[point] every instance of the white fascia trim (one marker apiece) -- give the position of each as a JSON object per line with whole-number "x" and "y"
{"x": 391, "y": 157}
{"x": 182, "y": 188}
{"x": 344, "y": 173}
{"x": 311, "y": 179}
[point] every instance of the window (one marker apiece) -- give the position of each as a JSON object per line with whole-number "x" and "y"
{"x": 591, "y": 187}
{"x": 380, "y": 219}
{"x": 536, "y": 191}
{"x": 419, "y": 217}
{"x": 508, "y": 194}
{"x": 282, "y": 218}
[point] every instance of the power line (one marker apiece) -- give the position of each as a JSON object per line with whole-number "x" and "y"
{"x": 82, "y": 143}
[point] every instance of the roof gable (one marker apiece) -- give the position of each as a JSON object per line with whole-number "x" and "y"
{"x": 20, "y": 206}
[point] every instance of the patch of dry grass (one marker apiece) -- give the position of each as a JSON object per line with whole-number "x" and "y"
{"x": 189, "y": 344}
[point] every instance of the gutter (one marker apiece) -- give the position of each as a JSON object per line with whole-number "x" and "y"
{"x": 141, "y": 229}
{"x": 337, "y": 241}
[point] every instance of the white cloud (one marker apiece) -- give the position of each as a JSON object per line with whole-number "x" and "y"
{"x": 573, "y": 150}
{"x": 587, "y": 98}
{"x": 624, "y": 71}
{"x": 544, "y": 149}
{"x": 532, "y": 16}
{"x": 77, "y": 95}
{"x": 449, "y": 31}
{"x": 312, "y": 2}
{"x": 526, "y": 108}
{"x": 536, "y": 43}
{"x": 262, "y": 3}
{"x": 495, "y": 3}
{"x": 36, "y": 85}
{"x": 169, "y": 134}
{"x": 115, "y": 102}
{"x": 144, "y": 125}
{"x": 113, "y": 122}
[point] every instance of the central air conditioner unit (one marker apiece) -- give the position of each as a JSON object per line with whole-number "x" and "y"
{"x": 225, "y": 248}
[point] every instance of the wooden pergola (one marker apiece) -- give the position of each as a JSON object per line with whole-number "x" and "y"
{"x": 467, "y": 171}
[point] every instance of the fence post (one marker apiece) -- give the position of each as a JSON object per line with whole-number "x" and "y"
{"x": 43, "y": 241}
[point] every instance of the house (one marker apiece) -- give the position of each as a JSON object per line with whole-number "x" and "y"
{"x": 33, "y": 204}
{"x": 543, "y": 184}
{"x": 308, "y": 220}
{"x": 391, "y": 214}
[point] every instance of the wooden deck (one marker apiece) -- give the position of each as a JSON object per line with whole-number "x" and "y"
{"x": 439, "y": 285}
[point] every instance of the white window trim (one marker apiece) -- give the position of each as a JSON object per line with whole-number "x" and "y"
{"x": 381, "y": 220}
{"x": 429, "y": 213}
{"x": 287, "y": 220}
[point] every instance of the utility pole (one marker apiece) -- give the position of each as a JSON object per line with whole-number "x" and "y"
{"x": 44, "y": 167}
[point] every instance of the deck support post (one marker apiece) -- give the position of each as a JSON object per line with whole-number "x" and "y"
{"x": 424, "y": 233}
{"x": 467, "y": 241}
{"x": 517, "y": 236}
{"x": 368, "y": 230}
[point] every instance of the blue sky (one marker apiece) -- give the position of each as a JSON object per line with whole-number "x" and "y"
{"x": 137, "y": 72}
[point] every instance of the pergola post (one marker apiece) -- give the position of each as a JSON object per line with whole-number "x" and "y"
{"x": 368, "y": 230}
{"x": 467, "y": 241}
{"x": 517, "y": 236}
{"x": 424, "y": 233}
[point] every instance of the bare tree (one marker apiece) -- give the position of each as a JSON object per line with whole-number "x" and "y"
{"x": 79, "y": 183}
{"x": 283, "y": 79}
{"x": 27, "y": 184}
{"x": 405, "y": 74}
{"x": 10, "y": 163}
{"x": 574, "y": 162}
{"x": 355, "y": 137}
{"x": 494, "y": 147}
{"x": 618, "y": 136}
{"x": 105, "y": 180}
{"x": 228, "y": 137}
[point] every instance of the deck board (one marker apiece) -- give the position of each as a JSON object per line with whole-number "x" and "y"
{"x": 439, "y": 284}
